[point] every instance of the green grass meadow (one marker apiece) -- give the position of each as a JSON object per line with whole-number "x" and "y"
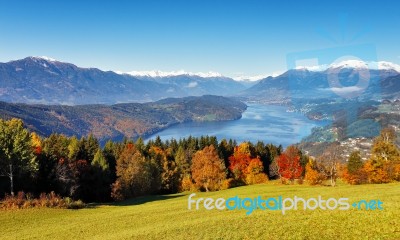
{"x": 168, "y": 217}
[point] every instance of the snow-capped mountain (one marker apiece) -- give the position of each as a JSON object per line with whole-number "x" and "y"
{"x": 44, "y": 58}
{"x": 354, "y": 64}
{"x": 316, "y": 82}
{"x": 160, "y": 74}
{"x": 46, "y": 80}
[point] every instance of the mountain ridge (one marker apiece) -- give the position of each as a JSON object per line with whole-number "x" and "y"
{"x": 39, "y": 80}
{"x": 116, "y": 121}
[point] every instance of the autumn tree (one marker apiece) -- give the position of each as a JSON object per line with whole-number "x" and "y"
{"x": 208, "y": 170}
{"x": 75, "y": 179}
{"x": 169, "y": 176}
{"x": 133, "y": 174}
{"x": 385, "y": 156}
{"x": 331, "y": 158}
{"x": 36, "y": 143}
{"x": 384, "y": 148}
{"x": 16, "y": 150}
{"x": 255, "y": 172}
{"x": 289, "y": 164}
{"x": 314, "y": 174}
{"x": 354, "y": 172}
{"x": 240, "y": 160}
{"x": 238, "y": 164}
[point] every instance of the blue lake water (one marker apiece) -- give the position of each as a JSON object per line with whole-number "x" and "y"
{"x": 269, "y": 123}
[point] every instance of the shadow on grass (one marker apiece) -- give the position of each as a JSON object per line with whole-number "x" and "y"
{"x": 137, "y": 200}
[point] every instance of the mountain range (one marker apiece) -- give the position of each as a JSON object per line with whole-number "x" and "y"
{"x": 42, "y": 80}
{"x": 344, "y": 80}
{"x": 44, "y": 93}
{"x": 47, "y": 81}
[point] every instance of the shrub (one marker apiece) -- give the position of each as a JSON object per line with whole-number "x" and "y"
{"x": 51, "y": 200}
{"x": 228, "y": 183}
{"x": 76, "y": 205}
{"x": 256, "y": 178}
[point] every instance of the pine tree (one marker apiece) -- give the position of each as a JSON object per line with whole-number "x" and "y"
{"x": 73, "y": 149}
{"x": 100, "y": 161}
{"x": 100, "y": 181}
{"x": 355, "y": 162}
{"x": 183, "y": 162}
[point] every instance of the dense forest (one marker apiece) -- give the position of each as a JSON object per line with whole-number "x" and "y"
{"x": 82, "y": 169}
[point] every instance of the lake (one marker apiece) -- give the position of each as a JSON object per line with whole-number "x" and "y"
{"x": 269, "y": 123}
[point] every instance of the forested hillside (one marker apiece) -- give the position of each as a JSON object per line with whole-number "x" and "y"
{"x": 129, "y": 120}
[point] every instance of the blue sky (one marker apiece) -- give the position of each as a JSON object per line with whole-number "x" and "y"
{"x": 230, "y": 37}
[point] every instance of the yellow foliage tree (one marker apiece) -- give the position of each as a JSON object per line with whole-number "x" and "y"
{"x": 313, "y": 176}
{"x": 208, "y": 170}
{"x": 255, "y": 172}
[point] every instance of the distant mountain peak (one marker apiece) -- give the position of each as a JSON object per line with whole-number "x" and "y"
{"x": 49, "y": 59}
{"x": 354, "y": 64}
{"x": 156, "y": 73}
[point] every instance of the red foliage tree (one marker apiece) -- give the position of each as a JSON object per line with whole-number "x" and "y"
{"x": 289, "y": 164}
{"x": 245, "y": 168}
{"x": 238, "y": 164}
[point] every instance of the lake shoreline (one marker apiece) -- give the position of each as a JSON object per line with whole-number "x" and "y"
{"x": 259, "y": 122}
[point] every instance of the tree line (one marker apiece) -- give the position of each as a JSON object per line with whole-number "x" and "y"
{"x": 383, "y": 165}
{"x": 82, "y": 169}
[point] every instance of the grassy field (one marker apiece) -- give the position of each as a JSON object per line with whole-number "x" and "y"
{"x": 167, "y": 217}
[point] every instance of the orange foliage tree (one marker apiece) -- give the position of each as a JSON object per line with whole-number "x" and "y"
{"x": 208, "y": 170}
{"x": 314, "y": 174}
{"x": 385, "y": 156}
{"x": 238, "y": 164}
{"x": 133, "y": 175}
{"x": 255, "y": 172}
{"x": 245, "y": 168}
{"x": 169, "y": 175}
{"x": 289, "y": 164}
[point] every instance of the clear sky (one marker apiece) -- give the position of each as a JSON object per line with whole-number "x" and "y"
{"x": 231, "y": 37}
